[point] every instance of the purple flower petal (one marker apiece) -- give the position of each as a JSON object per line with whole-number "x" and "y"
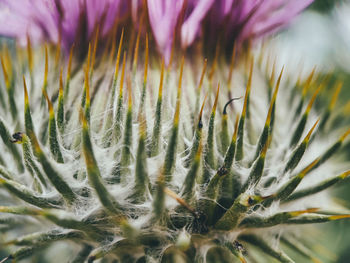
{"x": 222, "y": 8}
{"x": 192, "y": 24}
{"x": 102, "y": 11}
{"x": 75, "y": 20}
{"x": 281, "y": 17}
{"x": 252, "y": 19}
{"x": 163, "y": 16}
{"x": 34, "y": 18}
{"x": 45, "y": 19}
{"x": 135, "y": 5}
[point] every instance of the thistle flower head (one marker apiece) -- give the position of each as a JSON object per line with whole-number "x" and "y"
{"x": 130, "y": 156}
{"x": 69, "y": 22}
{"x": 58, "y": 21}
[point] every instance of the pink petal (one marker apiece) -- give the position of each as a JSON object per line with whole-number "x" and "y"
{"x": 191, "y": 26}
{"x": 163, "y": 16}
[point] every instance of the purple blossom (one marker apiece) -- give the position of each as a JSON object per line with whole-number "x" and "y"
{"x": 251, "y": 19}
{"x": 190, "y": 20}
{"x": 163, "y": 16}
{"x": 44, "y": 20}
{"x": 190, "y": 27}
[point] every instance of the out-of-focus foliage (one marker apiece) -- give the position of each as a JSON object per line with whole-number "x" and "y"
{"x": 324, "y": 5}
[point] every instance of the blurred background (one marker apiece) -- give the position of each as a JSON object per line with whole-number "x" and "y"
{"x": 321, "y": 37}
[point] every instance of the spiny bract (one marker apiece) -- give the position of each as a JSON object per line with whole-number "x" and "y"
{"x": 160, "y": 163}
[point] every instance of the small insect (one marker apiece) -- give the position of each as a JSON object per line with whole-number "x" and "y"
{"x": 17, "y": 137}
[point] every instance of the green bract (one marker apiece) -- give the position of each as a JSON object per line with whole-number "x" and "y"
{"x": 158, "y": 163}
